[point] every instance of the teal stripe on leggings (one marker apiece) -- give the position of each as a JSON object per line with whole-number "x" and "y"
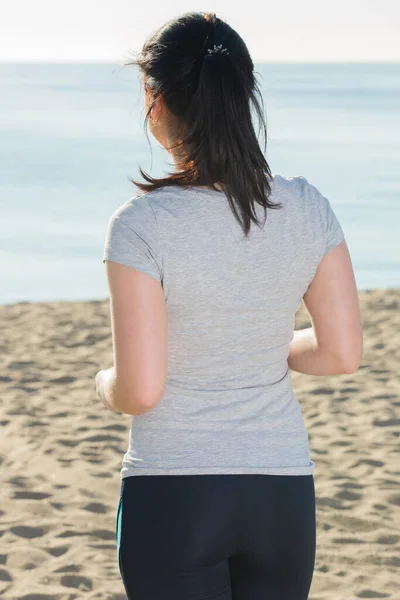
{"x": 118, "y": 530}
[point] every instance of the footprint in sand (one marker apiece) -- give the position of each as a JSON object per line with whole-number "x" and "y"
{"x": 58, "y": 550}
{"x": 69, "y": 568}
{"x": 77, "y": 581}
{"x": 394, "y": 499}
{"x": 388, "y": 539}
{"x": 371, "y": 594}
{"x": 63, "y": 379}
{"x": 322, "y": 390}
{"x": 5, "y": 575}
{"x": 25, "y": 531}
{"x": 347, "y": 541}
{"x": 23, "y": 495}
{"x": 386, "y": 423}
{"x": 70, "y": 533}
{"x": 102, "y": 534}
{"x": 96, "y": 507}
{"x": 354, "y": 524}
{"x": 346, "y": 495}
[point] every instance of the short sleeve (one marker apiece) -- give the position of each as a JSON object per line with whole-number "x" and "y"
{"x": 133, "y": 239}
{"x": 332, "y": 231}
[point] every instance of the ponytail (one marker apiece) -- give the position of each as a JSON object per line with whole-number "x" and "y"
{"x": 204, "y": 72}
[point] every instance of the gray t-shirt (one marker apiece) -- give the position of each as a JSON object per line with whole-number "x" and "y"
{"x": 228, "y": 405}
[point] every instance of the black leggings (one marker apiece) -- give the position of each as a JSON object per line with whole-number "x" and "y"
{"x": 231, "y": 537}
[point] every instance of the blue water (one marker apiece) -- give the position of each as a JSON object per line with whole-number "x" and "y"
{"x": 71, "y": 135}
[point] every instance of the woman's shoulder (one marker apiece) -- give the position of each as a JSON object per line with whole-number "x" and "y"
{"x": 296, "y": 187}
{"x": 291, "y": 182}
{"x": 159, "y": 196}
{"x": 136, "y": 211}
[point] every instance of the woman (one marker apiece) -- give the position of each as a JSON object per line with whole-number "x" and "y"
{"x": 217, "y": 492}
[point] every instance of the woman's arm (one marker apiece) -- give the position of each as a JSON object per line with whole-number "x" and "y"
{"x": 334, "y": 343}
{"x": 306, "y": 357}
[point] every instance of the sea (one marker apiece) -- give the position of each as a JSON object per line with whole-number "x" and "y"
{"x": 72, "y": 135}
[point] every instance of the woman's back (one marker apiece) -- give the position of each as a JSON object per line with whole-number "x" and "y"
{"x": 228, "y": 405}
{"x": 203, "y": 360}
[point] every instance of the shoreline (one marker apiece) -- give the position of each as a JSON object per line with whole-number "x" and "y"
{"x": 361, "y": 292}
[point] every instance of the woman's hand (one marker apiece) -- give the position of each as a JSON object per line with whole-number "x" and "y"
{"x": 102, "y": 379}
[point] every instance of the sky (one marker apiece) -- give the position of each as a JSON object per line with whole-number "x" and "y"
{"x": 274, "y": 31}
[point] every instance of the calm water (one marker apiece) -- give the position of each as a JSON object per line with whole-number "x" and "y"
{"x": 73, "y": 134}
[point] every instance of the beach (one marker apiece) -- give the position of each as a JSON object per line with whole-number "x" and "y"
{"x": 61, "y": 452}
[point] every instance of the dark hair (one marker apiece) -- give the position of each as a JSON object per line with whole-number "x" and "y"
{"x": 209, "y": 97}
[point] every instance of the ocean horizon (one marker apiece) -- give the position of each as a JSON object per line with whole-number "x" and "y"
{"x": 72, "y": 135}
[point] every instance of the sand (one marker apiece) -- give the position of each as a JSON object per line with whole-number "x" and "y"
{"x": 61, "y": 452}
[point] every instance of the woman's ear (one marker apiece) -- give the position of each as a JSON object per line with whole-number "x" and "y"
{"x": 157, "y": 109}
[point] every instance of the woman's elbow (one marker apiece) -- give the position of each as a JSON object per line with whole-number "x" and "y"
{"x": 352, "y": 362}
{"x": 131, "y": 402}
{"x": 350, "y": 367}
